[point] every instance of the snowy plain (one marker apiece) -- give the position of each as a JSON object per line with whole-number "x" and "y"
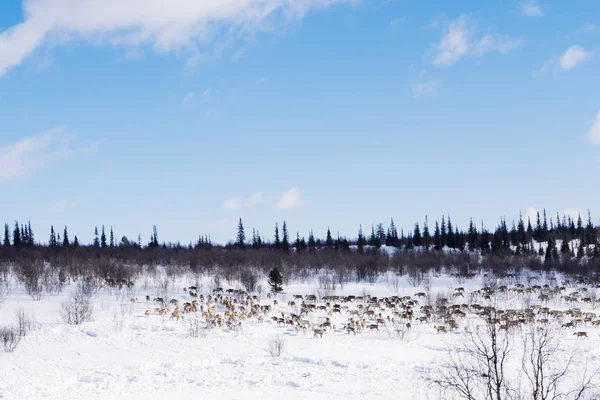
{"x": 123, "y": 354}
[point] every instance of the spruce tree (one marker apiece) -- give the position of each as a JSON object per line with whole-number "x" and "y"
{"x": 275, "y": 280}
{"x": 298, "y": 243}
{"x": 311, "y": 241}
{"x": 443, "y": 232}
{"x": 437, "y": 237}
{"x": 328, "y": 239}
{"x": 361, "y": 241}
{"x": 103, "y": 238}
{"x": 285, "y": 242}
{"x": 537, "y": 234}
{"x": 75, "y": 242}
{"x": 52, "y": 240}
{"x": 241, "y": 235}
{"x": 154, "y": 236}
{"x": 450, "y": 236}
{"x": 30, "y": 234}
{"x": 17, "y": 235}
{"x": 277, "y": 242}
{"x": 96, "y": 239}
{"x": 66, "y": 238}
{"x": 112, "y": 238}
{"x": 426, "y": 234}
{"x": 6, "y": 235}
{"x": 521, "y": 234}
{"x": 545, "y": 230}
{"x": 472, "y": 235}
{"x": 417, "y": 239}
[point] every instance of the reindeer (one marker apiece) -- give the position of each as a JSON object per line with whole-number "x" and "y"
{"x": 133, "y": 299}
{"x": 147, "y": 313}
{"x": 440, "y": 329}
{"x": 318, "y": 332}
{"x": 581, "y": 335}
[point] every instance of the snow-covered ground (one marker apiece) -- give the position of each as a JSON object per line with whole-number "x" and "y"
{"x": 122, "y": 354}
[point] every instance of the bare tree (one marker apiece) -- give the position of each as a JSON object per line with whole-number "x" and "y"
{"x": 77, "y": 310}
{"x": 24, "y": 323}
{"x": 275, "y": 346}
{"x": 9, "y": 338}
{"x": 546, "y": 367}
{"x": 477, "y": 367}
{"x": 249, "y": 279}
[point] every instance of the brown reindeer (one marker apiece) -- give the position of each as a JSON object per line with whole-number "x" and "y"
{"x": 440, "y": 329}
{"x": 581, "y": 335}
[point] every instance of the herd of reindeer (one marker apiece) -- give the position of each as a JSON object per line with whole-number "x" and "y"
{"x": 230, "y": 308}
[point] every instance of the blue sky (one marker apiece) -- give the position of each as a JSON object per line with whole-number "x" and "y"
{"x": 319, "y": 112}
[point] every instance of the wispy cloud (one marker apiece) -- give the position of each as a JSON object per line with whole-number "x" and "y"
{"x": 425, "y": 88}
{"x": 290, "y": 199}
{"x": 62, "y": 205}
{"x": 593, "y": 134}
{"x": 183, "y": 27}
{"x": 187, "y": 98}
{"x": 531, "y": 8}
{"x": 459, "y": 40}
{"x": 207, "y": 92}
{"x": 571, "y": 58}
{"x": 590, "y": 28}
{"x": 262, "y": 79}
{"x": 22, "y": 158}
{"x": 236, "y": 203}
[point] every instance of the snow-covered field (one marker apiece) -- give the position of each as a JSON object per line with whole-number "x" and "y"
{"x": 123, "y": 354}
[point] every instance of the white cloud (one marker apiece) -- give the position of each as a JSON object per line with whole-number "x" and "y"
{"x": 425, "y": 88}
{"x": 235, "y": 203}
{"x": 187, "y": 98}
{"x": 207, "y": 92}
{"x": 590, "y": 28}
{"x": 290, "y": 199}
{"x": 459, "y": 40}
{"x": 182, "y": 27}
{"x": 21, "y": 158}
{"x": 62, "y": 205}
{"x": 262, "y": 79}
{"x": 531, "y": 8}
{"x": 573, "y": 56}
{"x": 593, "y": 134}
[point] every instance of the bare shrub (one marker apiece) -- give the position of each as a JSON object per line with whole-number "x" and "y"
{"x": 416, "y": 275}
{"x": 53, "y": 281}
{"x": 31, "y": 274}
{"x": 77, "y": 310}
{"x": 9, "y": 338}
{"x": 249, "y": 279}
{"x": 275, "y": 346}
{"x": 24, "y": 323}
{"x": 197, "y": 327}
{"x": 87, "y": 287}
{"x": 326, "y": 282}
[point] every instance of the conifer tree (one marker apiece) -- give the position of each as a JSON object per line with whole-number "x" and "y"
{"x": 521, "y": 234}
{"x": 579, "y": 231}
{"x": 426, "y": 234}
{"x": 417, "y": 239}
{"x": 537, "y": 234}
{"x": 285, "y": 242}
{"x": 52, "y": 240}
{"x": 66, "y": 242}
{"x": 103, "y": 238}
{"x": 277, "y": 242}
{"x": 450, "y": 235}
{"x": 437, "y": 237}
{"x": 241, "y": 235}
{"x": 472, "y": 235}
{"x": 545, "y": 228}
{"x": 275, "y": 280}
{"x": 590, "y": 230}
{"x": 443, "y": 232}
{"x": 311, "y": 241}
{"x": 75, "y": 242}
{"x": 24, "y": 235}
{"x": 6, "y": 236}
{"x": 96, "y": 239}
{"x": 112, "y": 238}
{"x": 17, "y": 235}
{"x": 30, "y": 236}
{"x": 298, "y": 242}
{"x": 154, "y": 236}
{"x": 361, "y": 241}
{"x": 328, "y": 239}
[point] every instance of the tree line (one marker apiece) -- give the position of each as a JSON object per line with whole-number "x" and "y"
{"x": 563, "y": 235}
